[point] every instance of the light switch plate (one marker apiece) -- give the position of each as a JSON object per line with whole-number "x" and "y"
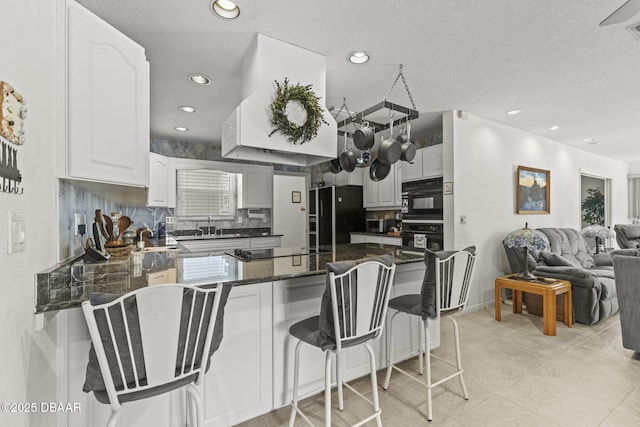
{"x": 17, "y": 233}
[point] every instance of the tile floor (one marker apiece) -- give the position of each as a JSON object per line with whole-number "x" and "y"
{"x": 515, "y": 375}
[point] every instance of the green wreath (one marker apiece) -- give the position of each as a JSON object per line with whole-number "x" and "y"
{"x": 309, "y": 101}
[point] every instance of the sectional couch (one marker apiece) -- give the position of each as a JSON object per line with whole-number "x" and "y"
{"x": 569, "y": 258}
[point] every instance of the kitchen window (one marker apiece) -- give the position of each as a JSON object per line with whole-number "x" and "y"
{"x": 204, "y": 192}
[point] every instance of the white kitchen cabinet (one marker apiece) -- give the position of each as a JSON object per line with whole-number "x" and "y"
{"x": 257, "y": 186}
{"x": 345, "y": 178}
{"x": 216, "y": 245}
{"x": 162, "y": 190}
{"x": 426, "y": 164}
{"x": 385, "y": 193}
{"x": 369, "y": 238}
{"x": 238, "y": 386}
{"x": 226, "y": 243}
{"x": 358, "y": 238}
{"x": 265, "y": 242}
{"x": 107, "y": 103}
{"x": 295, "y": 300}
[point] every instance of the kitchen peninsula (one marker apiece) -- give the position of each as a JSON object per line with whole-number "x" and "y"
{"x": 251, "y": 373}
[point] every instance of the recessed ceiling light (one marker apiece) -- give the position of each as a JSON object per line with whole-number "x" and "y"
{"x": 555, "y": 127}
{"x": 359, "y": 57}
{"x": 181, "y": 128}
{"x": 187, "y": 109}
{"x": 590, "y": 141}
{"x": 514, "y": 112}
{"x": 225, "y": 9}
{"x": 200, "y": 79}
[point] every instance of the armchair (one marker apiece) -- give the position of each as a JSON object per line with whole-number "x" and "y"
{"x": 627, "y": 235}
{"x": 627, "y": 271}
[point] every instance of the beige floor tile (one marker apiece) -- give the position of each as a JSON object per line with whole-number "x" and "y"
{"x": 620, "y": 418}
{"x": 498, "y": 411}
{"x": 515, "y": 375}
{"x": 568, "y": 393}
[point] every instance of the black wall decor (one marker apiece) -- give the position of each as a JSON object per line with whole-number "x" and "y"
{"x": 11, "y": 177}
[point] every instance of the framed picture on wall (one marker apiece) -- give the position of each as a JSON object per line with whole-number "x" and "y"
{"x": 533, "y": 191}
{"x": 296, "y": 197}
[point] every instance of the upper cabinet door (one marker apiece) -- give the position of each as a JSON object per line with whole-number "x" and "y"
{"x": 162, "y": 181}
{"x": 432, "y": 161}
{"x": 257, "y": 186}
{"x": 108, "y": 102}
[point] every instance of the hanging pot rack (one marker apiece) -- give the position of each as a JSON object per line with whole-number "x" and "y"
{"x": 408, "y": 113}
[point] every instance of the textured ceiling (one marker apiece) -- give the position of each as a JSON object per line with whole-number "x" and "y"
{"x": 549, "y": 58}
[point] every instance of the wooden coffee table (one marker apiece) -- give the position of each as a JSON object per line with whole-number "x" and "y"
{"x": 548, "y": 288}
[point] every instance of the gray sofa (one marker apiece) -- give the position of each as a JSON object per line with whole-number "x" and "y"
{"x": 627, "y": 235}
{"x": 569, "y": 258}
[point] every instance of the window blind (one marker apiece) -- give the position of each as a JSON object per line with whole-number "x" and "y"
{"x": 204, "y": 192}
{"x": 634, "y": 197}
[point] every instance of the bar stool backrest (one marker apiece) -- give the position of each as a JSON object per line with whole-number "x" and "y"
{"x": 153, "y": 336}
{"x": 360, "y": 297}
{"x": 453, "y": 275}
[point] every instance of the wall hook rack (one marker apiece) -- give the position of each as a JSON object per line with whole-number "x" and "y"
{"x": 9, "y": 172}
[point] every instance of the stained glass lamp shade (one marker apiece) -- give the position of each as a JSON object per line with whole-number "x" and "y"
{"x": 527, "y": 239}
{"x": 598, "y": 232}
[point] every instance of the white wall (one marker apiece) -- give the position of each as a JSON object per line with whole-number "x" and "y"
{"x": 482, "y": 158}
{"x": 27, "y": 359}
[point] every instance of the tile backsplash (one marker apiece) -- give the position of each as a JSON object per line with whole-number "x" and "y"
{"x": 74, "y": 200}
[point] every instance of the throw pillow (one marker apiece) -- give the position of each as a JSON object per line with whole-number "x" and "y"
{"x": 428, "y": 291}
{"x": 553, "y": 259}
{"x": 326, "y": 324}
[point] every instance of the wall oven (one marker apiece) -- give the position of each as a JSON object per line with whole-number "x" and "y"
{"x": 422, "y": 200}
{"x": 418, "y": 235}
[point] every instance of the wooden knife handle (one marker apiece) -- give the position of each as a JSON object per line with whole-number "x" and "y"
{"x": 98, "y": 220}
{"x": 108, "y": 226}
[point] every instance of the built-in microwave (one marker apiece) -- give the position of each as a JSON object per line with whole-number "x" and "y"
{"x": 422, "y": 199}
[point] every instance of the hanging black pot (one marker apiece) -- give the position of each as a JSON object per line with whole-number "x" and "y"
{"x": 363, "y": 138}
{"x": 347, "y": 161}
{"x": 408, "y": 147}
{"x": 334, "y": 166}
{"x": 347, "y": 158}
{"x": 378, "y": 170}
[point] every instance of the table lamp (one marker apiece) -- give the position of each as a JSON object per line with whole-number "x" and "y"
{"x": 598, "y": 232}
{"x": 526, "y": 239}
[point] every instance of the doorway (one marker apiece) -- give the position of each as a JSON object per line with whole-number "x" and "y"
{"x": 290, "y": 210}
{"x": 595, "y": 204}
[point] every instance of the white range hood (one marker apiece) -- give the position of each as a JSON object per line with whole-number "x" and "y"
{"x": 245, "y": 134}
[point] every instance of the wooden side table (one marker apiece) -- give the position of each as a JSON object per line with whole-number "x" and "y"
{"x": 548, "y": 288}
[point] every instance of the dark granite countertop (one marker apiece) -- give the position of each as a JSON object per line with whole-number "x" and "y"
{"x": 370, "y": 233}
{"x": 68, "y": 285}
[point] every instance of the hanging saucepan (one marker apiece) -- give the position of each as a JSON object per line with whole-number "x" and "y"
{"x": 347, "y": 158}
{"x": 334, "y": 166}
{"x": 363, "y": 138}
{"x": 408, "y": 147}
{"x": 378, "y": 170}
{"x": 390, "y": 149}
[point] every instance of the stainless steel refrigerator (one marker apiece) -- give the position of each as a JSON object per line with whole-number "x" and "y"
{"x": 334, "y": 212}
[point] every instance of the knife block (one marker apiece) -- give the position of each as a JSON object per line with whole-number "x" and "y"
{"x": 117, "y": 248}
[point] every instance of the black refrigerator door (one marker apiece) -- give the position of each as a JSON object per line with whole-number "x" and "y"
{"x": 325, "y": 217}
{"x": 350, "y": 214}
